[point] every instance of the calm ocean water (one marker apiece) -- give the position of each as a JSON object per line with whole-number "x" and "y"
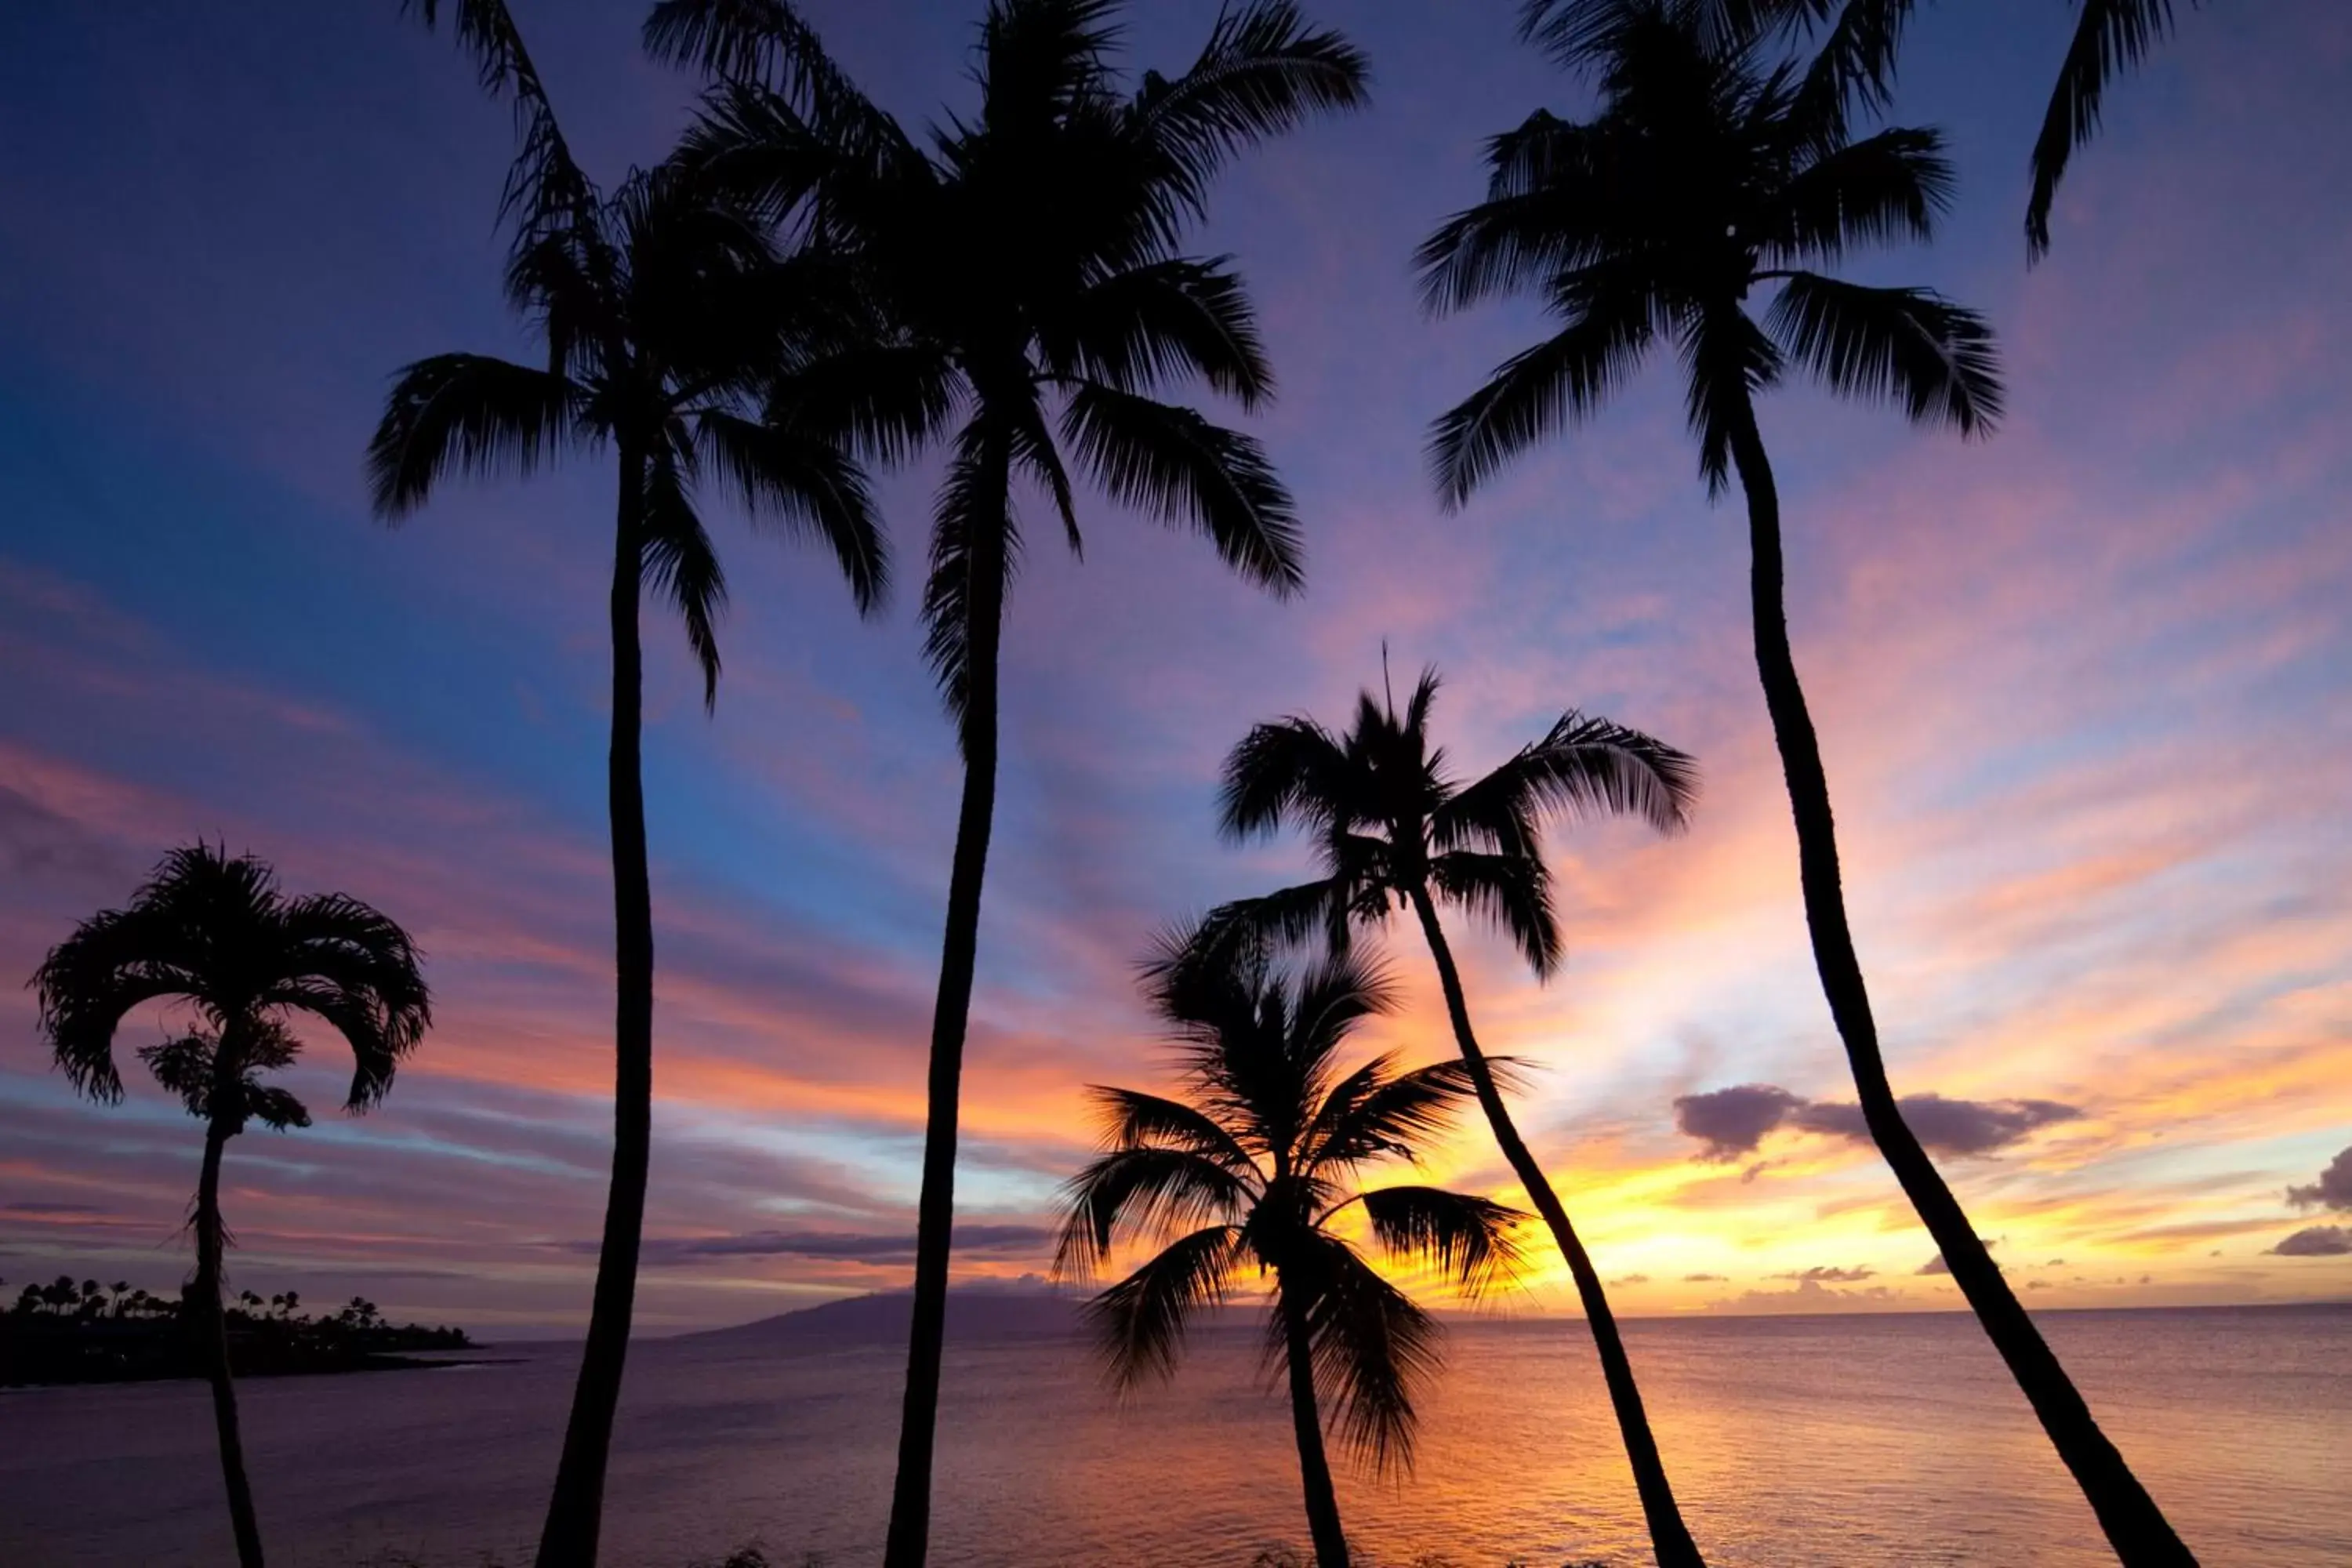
{"x": 1792, "y": 1441}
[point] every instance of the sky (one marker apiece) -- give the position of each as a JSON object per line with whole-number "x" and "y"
{"x": 2080, "y": 689}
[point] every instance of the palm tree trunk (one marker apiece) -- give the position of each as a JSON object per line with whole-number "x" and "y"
{"x": 1670, "y": 1537}
{"x": 1307, "y": 1421}
{"x": 910, "y": 1499}
{"x": 2134, "y": 1526}
{"x": 210, "y": 1325}
{"x": 576, "y": 1511}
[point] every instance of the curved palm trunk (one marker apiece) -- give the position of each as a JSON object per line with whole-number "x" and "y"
{"x": 2134, "y": 1526}
{"x": 210, "y": 1325}
{"x": 576, "y": 1511}
{"x": 1670, "y": 1537}
{"x": 910, "y": 1499}
{"x": 1307, "y": 1422}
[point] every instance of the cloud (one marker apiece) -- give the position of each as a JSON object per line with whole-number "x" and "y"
{"x": 1703, "y": 1278}
{"x": 1630, "y": 1279}
{"x": 847, "y": 1246}
{"x": 1733, "y": 1121}
{"x": 1819, "y": 1275}
{"x": 1936, "y": 1265}
{"x": 2316, "y": 1241}
{"x": 2332, "y": 1191}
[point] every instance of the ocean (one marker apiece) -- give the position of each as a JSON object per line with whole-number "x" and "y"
{"x": 1827, "y": 1440}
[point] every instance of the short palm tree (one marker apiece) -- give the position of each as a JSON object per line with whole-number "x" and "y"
{"x": 669, "y": 314}
{"x": 1245, "y": 1175}
{"x": 214, "y": 934}
{"x": 1707, "y": 178}
{"x": 1858, "y": 41}
{"x": 1391, "y": 827}
{"x": 1029, "y": 258}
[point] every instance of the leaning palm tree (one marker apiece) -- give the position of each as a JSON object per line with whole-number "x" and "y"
{"x": 1707, "y": 178}
{"x": 1859, "y": 41}
{"x": 670, "y": 315}
{"x": 1029, "y": 258}
{"x": 1247, "y": 1174}
{"x": 1393, "y": 829}
{"x": 216, "y": 935}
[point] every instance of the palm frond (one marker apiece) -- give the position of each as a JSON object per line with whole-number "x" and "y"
{"x": 545, "y": 188}
{"x": 2110, "y": 36}
{"x": 1141, "y": 1321}
{"x": 359, "y": 970}
{"x": 471, "y": 413}
{"x": 1374, "y": 1114}
{"x": 1539, "y": 391}
{"x": 1262, "y": 72}
{"x": 1172, "y": 462}
{"x": 1373, "y": 1350}
{"x": 1887, "y": 186}
{"x": 1467, "y": 1239}
{"x": 1727, "y": 360}
{"x": 796, "y": 478}
{"x": 1132, "y": 1118}
{"x": 976, "y": 546}
{"x": 1145, "y": 326}
{"x": 1150, "y": 1191}
{"x": 1909, "y": 346}
{"x": 1290, "y": 770}
{"x": 183, "y": 1065}
{"x": 680, "y": 561}
{"x": 886, "y": 400}
{"x": 1584, "y": 766}
{"x": 1511, "y": 890}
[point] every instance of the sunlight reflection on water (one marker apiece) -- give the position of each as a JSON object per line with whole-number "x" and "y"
{"x": 1792, "y": 1441}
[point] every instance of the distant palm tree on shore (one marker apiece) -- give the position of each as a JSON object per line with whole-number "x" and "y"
{"x": 1392, "y": 828}
{"x": 214, "y": 933}
{"x": 670, "y": 315}
{"x": 1245, "y": 1175}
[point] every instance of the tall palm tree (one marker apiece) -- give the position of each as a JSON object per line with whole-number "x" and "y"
{"x": 1859, "y": 40}
{"x": 1392, "y": 827}
{"x": 214, "y": 934}
{"x": 1706, "y": 177}
{"x": 1029, "y": 257}
{"x": 669, "y": 314}
{"x": 1247, "y": 1174}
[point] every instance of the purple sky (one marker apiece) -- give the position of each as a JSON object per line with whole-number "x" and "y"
{"x": 2081, "y": 689}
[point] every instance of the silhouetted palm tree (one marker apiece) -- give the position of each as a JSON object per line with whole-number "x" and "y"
{"x": 215, "y": 934}
{"x": 1245, "y": 1175}
{"x": 1391, "y": 827}
{"x": 668, "y": 314}
{"x": 1029, "y": 260}
{"x": 1858, "y": 41}
{"x": 1707, "y": 177}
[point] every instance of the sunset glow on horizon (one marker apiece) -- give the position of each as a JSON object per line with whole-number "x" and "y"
{"x": 2080, "y": 689}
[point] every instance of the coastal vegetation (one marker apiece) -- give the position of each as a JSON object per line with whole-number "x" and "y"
{"x": 87, "y": 1332}
{"x": 804, "y": 294}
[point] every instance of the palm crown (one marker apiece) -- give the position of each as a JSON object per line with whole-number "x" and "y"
{"x": 1029, "y": 258}
{"x": 217, "y": 933}
{"x": 1858, "y": 41}
{"x": 1708, "y": 175}
{"x": 669, "y": 313}
{"x": 1387, "y": 817}
{"x": 1248, "y": 1171}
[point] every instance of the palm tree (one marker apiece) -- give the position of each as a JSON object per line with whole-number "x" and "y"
{"x": 215, "y": 934}
{"x": 1391, "y": 828}
{"x": 1248, "y": 1172}
{"x": 668, "y": 315}
{"x": 1705, "y": 177}
{"x": 1859, "y": 40}
{"x": 1029, "y": 258}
